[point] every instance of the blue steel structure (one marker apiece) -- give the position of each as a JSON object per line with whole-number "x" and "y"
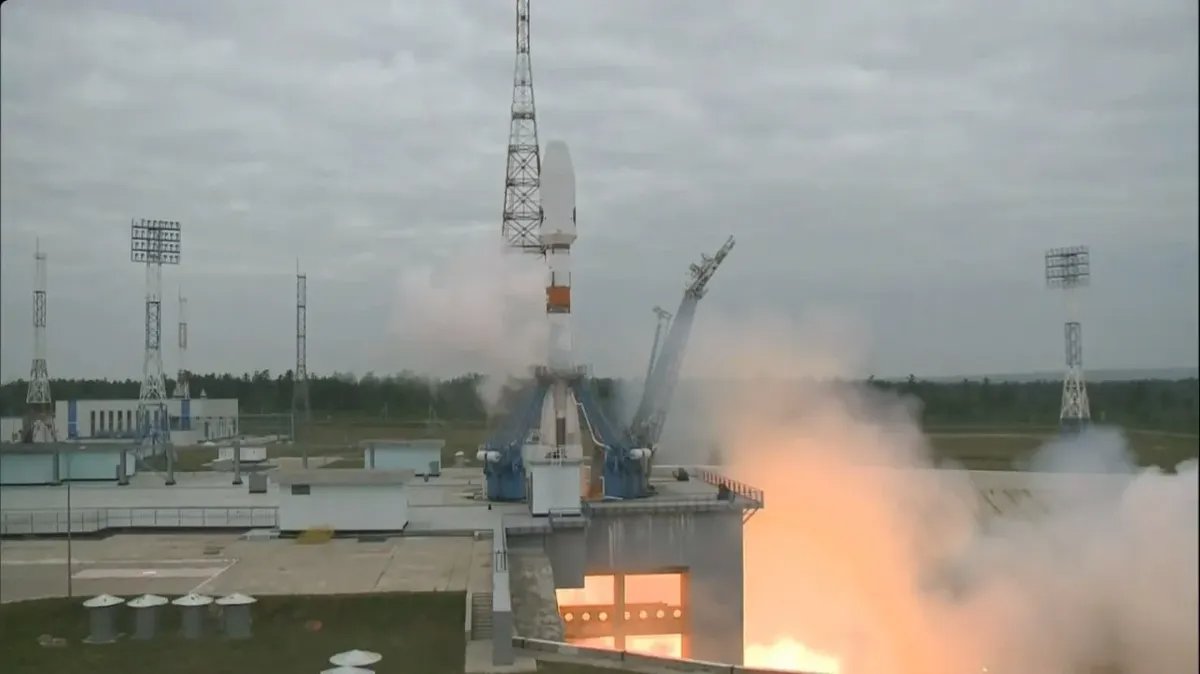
{"x": 628, "y": 448}
{"x": 506, "y": 475}
{"x": 626, "y": 470}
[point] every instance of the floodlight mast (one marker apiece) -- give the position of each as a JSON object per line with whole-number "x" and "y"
{"x": 154, "y": 243}
{"x": 1070, "y": 270}
{"x": 300, "y": 399}
{"x": 39, "y": 426}
{"x": 183, "y": 380}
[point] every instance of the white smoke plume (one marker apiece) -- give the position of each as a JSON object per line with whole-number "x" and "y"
{"x": 480, "y": 310}
{"x": 867, "y": 555}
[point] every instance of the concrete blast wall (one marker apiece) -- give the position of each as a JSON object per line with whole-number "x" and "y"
{"x": 705, "y": 544}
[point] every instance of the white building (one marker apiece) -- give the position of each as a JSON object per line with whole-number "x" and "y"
{"x": 10, "y": 429}
{"x": 422, "y": 457}
{"x": 351, "y": 500}
{"x": 39, "y": 463}
{"x": 192, "y": 421}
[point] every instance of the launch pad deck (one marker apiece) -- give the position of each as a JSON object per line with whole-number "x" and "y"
{"x": 449, "y": 504}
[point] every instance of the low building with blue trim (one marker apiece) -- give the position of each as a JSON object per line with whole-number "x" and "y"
{"x": 190, "y": 421}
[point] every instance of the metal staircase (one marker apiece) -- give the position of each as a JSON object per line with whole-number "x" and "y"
{"x": 481, "y": 615}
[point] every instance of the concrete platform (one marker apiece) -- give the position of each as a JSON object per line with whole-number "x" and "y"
{"x": 174, "y": 564}
{"x": 479, "y": 660}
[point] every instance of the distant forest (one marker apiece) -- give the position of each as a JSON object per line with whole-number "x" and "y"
{"x": 1149, "y": 404}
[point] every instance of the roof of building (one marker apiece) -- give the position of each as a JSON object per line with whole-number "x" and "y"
{"x": 52, "y": 447}
{"x": 422, "y": 443}
{"x": 344, "y": 477}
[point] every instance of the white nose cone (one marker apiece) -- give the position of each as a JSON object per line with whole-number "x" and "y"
{"x": 558, "y": 196}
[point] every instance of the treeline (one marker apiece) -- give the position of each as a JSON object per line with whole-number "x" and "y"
{"x": 1146, "y": 404}
{"x": 1150, "y": 404}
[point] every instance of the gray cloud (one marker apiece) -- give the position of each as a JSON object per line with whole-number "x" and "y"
{"x": 905, "y": 164}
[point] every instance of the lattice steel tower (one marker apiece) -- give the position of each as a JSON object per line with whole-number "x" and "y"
{"x": 522, "y": 201}
{"x": 1070, "y": 270}
{"x": 39, "y": 425}
{"x": 183, "y": 381}
{"x": 300, "y": 405}
{"x": 154, "y": 243}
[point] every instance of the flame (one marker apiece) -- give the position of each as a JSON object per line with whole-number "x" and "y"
{"x": 790, "y": 655}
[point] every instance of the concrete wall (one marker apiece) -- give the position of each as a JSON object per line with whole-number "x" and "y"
{"x": 708, "y": 545}
{"x": 502, "y": 613}
{"x": 93, "y": 463}
{"x": 32, "y": 468}
{"x": 416, "y": 458}
{"x": 90, "y": 464}
{"x": 344, "y": 508}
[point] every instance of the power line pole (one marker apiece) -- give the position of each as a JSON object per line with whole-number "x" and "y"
{"x": 522, "y": 201}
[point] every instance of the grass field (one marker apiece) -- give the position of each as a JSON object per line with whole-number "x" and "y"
{"x": 1001, "y": 448}
{"x": 417, "y": 632}
{"x": 414, "y": 633}
{"x": 990, "y": 447}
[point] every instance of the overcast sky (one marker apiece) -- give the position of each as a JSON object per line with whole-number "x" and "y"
{"x": 900, "y": 166}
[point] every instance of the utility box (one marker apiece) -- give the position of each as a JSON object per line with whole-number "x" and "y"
{"x": 102, "y": 618}
{"x": 235, "y": 615}
{"x": 191, "y": 614}
{"x": 554, "y": 486}
{"x": 145, "y": 615}
{"x": 249, "y": 455}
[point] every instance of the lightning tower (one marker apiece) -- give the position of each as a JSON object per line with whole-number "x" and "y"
{"x": 154, "y": 243}
{"x": 522, "y": 202}
{"x": 181, "y": 383}
{"x": 39, "y": 426}
{"x": 300, "y": 404}
{"x": 1070, "y": 270}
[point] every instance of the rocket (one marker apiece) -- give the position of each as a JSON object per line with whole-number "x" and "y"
{"x": 556, "y": 235}
{"x": 560, "y": 421}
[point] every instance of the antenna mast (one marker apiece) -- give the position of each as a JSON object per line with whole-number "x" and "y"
{"x": 40, "y": 423}
{"x": 522, "y": 200}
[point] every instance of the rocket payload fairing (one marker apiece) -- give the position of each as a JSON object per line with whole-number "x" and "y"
{"x": 556, "y": 235}
{"x": 560, "y": 422}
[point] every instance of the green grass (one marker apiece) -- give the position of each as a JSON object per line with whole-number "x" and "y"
{"x": 978, "y": 447}
{"x": 418, "y": 632}
{"x": 415, "y": 632}
{"x": 1006, "y": 448}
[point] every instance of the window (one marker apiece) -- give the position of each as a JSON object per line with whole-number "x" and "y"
{"x": 94, "y": 428}
{"x": 301, "y": 490}
{"x": 120, "y": 421}
{"x": 129, "y": 419}
{"x": 110, "y": 420}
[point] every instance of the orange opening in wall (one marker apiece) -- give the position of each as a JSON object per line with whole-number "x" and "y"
{"x": 641, "y": 613}
{"x": 558, "y": 297}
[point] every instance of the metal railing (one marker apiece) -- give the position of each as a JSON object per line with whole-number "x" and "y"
{"x": 752, "y": 494}
{"x": 89, "y": 520}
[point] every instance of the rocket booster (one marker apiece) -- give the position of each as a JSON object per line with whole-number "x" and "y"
{"x": 556, "y": 235}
